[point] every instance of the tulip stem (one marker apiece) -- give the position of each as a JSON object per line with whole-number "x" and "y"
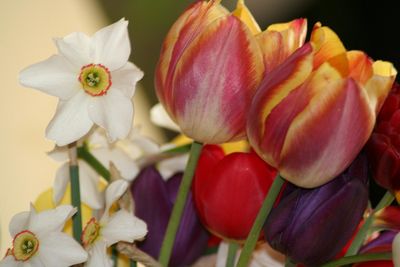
{"x": 359, "y": 258}
{"x": 232, "y": 249}
{"x": 262, "y": 215}
{"x": 180, "y": 202}
{"x": 362, "y": 233}
{"x": 75, "y": 191}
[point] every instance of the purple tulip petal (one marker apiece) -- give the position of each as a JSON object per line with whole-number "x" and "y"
{"x": 154, "y": 200}
{"x": 311, "y": 226}
{"x": 380, "y": 244}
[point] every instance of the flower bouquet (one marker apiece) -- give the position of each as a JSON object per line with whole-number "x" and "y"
{"x": 278, "y": 138}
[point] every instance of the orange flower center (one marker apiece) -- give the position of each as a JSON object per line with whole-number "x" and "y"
{"x": 25, "y": 245}
{"x": 90, "y": 233}
{"x": 95, "y": 79}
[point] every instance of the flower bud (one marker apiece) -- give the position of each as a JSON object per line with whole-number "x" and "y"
{"x": 154, "y": 200}
{"x": 229, "y": 190}
{"x": 311, "y": 226}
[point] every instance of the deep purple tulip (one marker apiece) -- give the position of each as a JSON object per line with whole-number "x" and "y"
{"x": 154, "y": 200}
{"x": 311, "y": 226}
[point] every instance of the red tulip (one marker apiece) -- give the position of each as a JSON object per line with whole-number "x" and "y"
{"x": 312, "y": 114}
{"x": 229, "y": 191}
{"x": 384, "y": 145}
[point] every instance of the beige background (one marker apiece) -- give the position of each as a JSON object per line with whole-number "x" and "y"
{"x": 26, "y": 31}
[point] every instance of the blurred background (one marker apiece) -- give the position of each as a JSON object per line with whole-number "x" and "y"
{"x": 26, "y": 31}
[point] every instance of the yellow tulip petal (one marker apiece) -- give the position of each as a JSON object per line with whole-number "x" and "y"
{"x": 244, "y": 14}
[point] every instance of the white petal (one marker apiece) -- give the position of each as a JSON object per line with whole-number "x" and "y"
{"x": 222, "y": 254}
{"x": 111, "y": 45}
{"x": 113, "y": 112}
{"x": 125, "y": 79}
{"x": 54, "y": 76}
{"x": 126, "y": 165}
{"x": 124, "y": 226}
{"x": 71, "y": 120}
{"x": 89, "y": 182}
{"x": 98, "y": 256}
{"x": 35, "y": 261}
{"x": 59, "y": 153}
{"x": 171, "y": 166}
{"x": 268, "y": 257}
{"x": 113, "y": 192}
{"x": 60, "y": 183}
{"x": 19, "y": 223}
{"x": 396, "y": 250}
{"x": 9, "y": 261}
{"x": 145, "y": 144}
{"x": 160, "y": 117}
{"x": 75, "y": 47}
{"x": 50, "y": 220}
{"x": 60, "y": 250}
{"x": 98, "y": 139}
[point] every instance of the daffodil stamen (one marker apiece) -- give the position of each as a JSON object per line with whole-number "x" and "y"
{"x": 90, "y": 233}
{"x": 25, "y": 245}
{"x": 95, "y": 79}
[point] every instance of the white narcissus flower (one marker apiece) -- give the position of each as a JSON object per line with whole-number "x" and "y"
{"x": 38, "y": 240}
{"x": 263, "y": 256}
{"x": 120, "y": 226}
{"x": 93, "y": 80}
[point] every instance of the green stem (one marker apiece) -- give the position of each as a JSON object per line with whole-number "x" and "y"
{"x": 232, "y": 249}
{"x": 84, "y": 153}
{"x": 359, "y": 258}
{"x": 362, "y": 233}
{"x": 180, "y": 202}
{"x": 132, "y": 263}
{"x": 75, "y": 192}
{"x": 262, "y": 215}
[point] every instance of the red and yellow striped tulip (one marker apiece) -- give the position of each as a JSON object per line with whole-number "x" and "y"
{"x": 210, "y": 65}
{"x": 312, "y": 114}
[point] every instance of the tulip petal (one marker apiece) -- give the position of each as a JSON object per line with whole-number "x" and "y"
{"x": 71, "y": 120}
{"x": 192, "y": 22}
{"x": 113, "y": 112}
{"x": 379, "y": 85}
{"x": 229, "y": 47}
{"x": 329, "y": 48}
{"x": 152, "y": 205}
{"x": 59, "y": 249}
{"x": 111, "y": 45}
{"x": 279, "y": 41}
{"x": 123, "y": 226}
{"x": 54, "y": 76}
{"x": 244, "y": 14}
{"x": 75, "y": 47}
{"x": 125, "y": 79}
{"x": 274, "y": 88}
{"x": 360, "y": 66}
{"x": 9, "y": 261}
{"x": 314, "y": 152}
